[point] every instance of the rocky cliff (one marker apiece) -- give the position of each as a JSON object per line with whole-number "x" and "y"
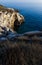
{"x": 10, "y": 19}
{"x": 21, "y": 49}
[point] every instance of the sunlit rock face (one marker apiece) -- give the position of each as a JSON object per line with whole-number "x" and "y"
{"x": 10, "y": 19}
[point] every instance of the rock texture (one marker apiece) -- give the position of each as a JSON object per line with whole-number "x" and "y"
{"x": 20, "y": 49}
{"x": 10, "y": 19}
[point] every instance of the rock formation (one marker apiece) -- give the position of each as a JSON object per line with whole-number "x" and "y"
{"x": 25, "y": 49}
{"x": 10, "y": 19}
{"x": 18, "y": 49}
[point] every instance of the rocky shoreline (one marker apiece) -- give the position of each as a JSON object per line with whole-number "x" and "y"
{"x": 36, "y": 35}
{"x": 20, "y": 49}
{"x": 24, "y": 49}
{"x": 10, "y": 19}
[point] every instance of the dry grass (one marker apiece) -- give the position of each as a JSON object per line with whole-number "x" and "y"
{"x": 25, "y": 50}
{"x": 20, "y": 53}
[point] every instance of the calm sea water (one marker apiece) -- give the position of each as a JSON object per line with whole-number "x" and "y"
{"x": 33, "y": 17}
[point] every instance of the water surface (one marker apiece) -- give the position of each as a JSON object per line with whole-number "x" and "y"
{"x": 32, "y": 14}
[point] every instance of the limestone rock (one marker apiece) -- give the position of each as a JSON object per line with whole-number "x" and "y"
{"x": 10, "y": 18}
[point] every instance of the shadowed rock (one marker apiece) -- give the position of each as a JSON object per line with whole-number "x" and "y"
{"x": 10, "y": 19}
{"x": 20, "y": 49}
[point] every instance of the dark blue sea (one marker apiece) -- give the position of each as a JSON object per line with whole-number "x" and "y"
{"x": 32, "y": 14}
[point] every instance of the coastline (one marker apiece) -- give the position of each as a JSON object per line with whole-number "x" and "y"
{"x": 34, "y": 35}
{"x": 22, "y": 49}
